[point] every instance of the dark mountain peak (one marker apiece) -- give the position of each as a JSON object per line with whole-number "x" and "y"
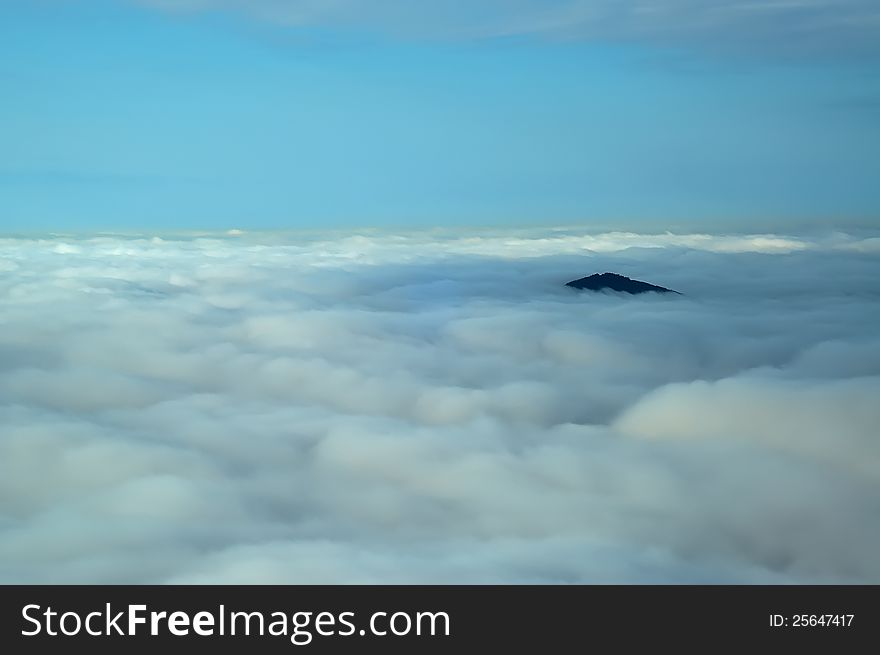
{"x": 615, "y": 282}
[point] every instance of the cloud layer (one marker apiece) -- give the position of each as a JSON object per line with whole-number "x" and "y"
{"x": 438, "y": 407}
{"x": 788, "y": 25}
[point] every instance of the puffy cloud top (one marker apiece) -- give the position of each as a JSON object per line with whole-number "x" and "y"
{"x": 438, "y": 407}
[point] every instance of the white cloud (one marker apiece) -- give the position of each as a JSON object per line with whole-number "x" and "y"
{"x": 438, "y": 407}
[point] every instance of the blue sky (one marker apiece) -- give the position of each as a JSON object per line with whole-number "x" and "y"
{"x": 205, "y": 114}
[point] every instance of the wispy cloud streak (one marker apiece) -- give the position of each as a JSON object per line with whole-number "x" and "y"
{"x": 773, "y": 25}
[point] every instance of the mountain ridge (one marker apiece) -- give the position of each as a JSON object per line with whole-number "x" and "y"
{"x": 616, "y": 282}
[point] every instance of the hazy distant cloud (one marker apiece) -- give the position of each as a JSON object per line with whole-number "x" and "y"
{"x": 438, "y": 407}
{"x": 787, "y": 25}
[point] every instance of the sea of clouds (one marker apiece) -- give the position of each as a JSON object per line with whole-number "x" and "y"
{"x": 438, "y": 407}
